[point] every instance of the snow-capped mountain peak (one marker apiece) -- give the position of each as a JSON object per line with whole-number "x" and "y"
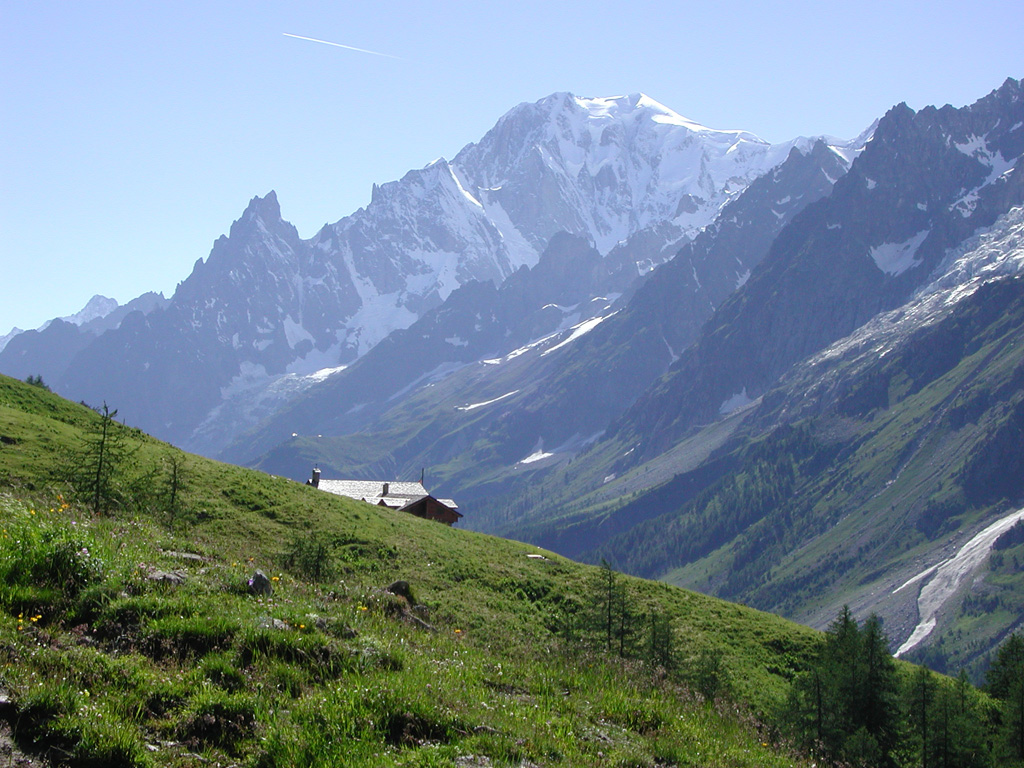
{"x": 619, "y": 107}
{"x": 97, "y": 307}
{"x": 266, "y": 303}
{"x": 609, "y": 167}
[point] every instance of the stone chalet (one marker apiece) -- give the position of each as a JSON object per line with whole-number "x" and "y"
{"x": 408, "y": 497}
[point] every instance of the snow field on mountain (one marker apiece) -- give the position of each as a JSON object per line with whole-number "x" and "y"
{"x": 942, "y": 581}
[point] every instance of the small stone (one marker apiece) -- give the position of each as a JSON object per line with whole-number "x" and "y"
{"x": 260, "y": 585}
{"x": 401, "y": 588}
{"x": 186, "y": 556}
{"x": 173, "y": 578}
{"x": 269, "y": 623}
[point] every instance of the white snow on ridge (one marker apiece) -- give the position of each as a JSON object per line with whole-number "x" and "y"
{"x": 896, "y": 258}
{"x": 325, "y": 373}
{"x": 536, "y": 456}
{"x": 973, "y": 146}
{"x": 474, "y": 406}
{"x": 977, "y": 148}
{"x": 617, "y": 106}
{"x": 295, "y": 333}
{"x": 539, "y": 454}
{"x": 578, "y": 330}
{"x": 97, "y": 307}
{"x": 523, "y": 349}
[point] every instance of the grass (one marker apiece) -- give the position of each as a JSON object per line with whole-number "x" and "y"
{"x": 109, "y": 663}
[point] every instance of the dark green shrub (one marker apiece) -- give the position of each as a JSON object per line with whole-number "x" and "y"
{"x": 221, "y": 670}
{"x": 190, "y": 635}
{"x": 312, "y": 555}
{"x": 288, "y": 679}
{"x": 217, "y": 718}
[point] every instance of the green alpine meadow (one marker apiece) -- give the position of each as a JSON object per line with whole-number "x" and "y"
{"x": 160, "y": 609}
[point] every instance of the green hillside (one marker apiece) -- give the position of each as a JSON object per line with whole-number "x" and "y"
{"x": 839, "y": 492}
{"x": 135, "y": 636}
{"x": 132, "y": 638}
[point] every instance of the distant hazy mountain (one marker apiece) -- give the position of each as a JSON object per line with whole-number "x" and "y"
{"x": 48, "y": 350}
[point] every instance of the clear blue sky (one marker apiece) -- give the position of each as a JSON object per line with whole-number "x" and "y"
{"x": 133, "y": 133}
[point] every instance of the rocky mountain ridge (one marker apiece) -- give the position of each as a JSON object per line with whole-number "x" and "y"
{"x": 267, "y": 309}
{"x": 564, "y": 353}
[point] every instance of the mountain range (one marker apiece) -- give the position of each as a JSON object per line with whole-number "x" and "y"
{"x": 782, "y": 374}
{"x": 627, "y": 174}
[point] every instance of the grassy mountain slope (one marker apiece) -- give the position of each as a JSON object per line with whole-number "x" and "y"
{"x": 133, "y": 638}
{"x": 840, "y": 490}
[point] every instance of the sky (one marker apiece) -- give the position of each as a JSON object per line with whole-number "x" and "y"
{"x": 133, "y": 133}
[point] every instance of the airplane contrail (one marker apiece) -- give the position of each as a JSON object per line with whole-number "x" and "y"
{"x": 340, "y": 45}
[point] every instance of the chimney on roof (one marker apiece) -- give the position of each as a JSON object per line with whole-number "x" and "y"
{"x": 385, "y": 491}
{"x": 423, "y": 471}
{"x": 315, "y": 482}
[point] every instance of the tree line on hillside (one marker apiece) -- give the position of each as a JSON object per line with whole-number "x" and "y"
{"x": 853, "y": 704}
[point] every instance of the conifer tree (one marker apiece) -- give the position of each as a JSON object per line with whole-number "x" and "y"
{"x": 1005, "y": 681}
{"x": 879, "y": 707}
{"x": 37, "y": 381}
{"x": 100, "y": 464}
{"x": 661, "y": 650}
{"x": 847, "y": 703}
{"x": 175, "y": 481}
{"x": 922, "y": 695}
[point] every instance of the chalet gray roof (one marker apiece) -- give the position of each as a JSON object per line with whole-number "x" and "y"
{"x": 395, "y": 494}
{"x": 373, "y": 491}
{"x": 396, "y": 502}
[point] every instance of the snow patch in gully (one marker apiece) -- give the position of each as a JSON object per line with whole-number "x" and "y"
{"x": 941, "y": 582}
